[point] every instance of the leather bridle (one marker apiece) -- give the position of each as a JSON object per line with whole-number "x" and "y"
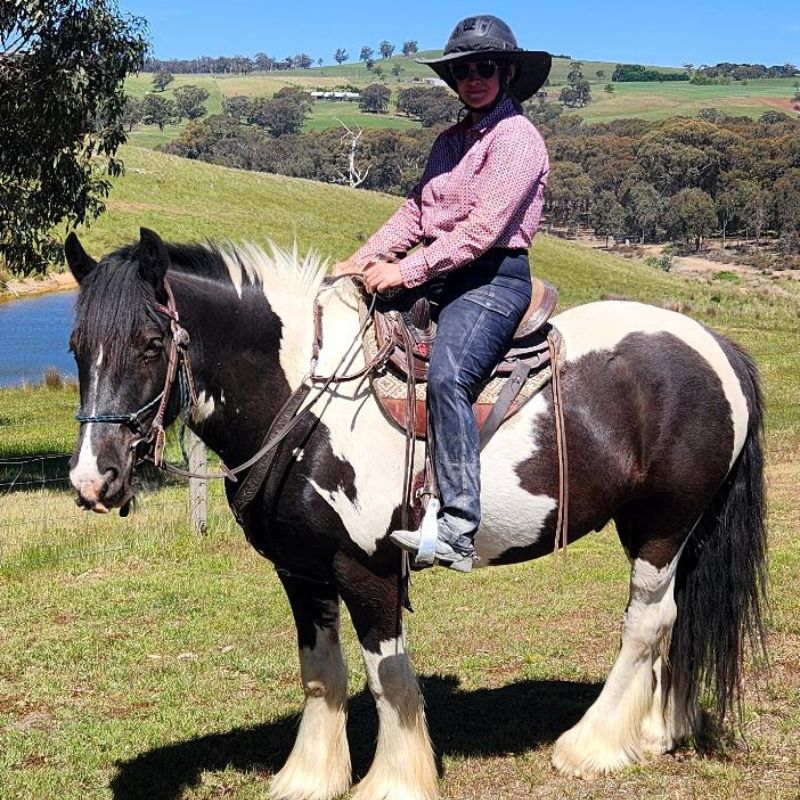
{"x": 149, "y": 444}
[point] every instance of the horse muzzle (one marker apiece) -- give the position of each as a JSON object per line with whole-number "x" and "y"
{"x": 102, "y": 493}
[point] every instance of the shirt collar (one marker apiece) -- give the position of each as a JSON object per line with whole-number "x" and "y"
{"x": 505, "y": 108}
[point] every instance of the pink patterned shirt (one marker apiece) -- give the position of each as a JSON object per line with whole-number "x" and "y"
{"x": 483, "y": 187}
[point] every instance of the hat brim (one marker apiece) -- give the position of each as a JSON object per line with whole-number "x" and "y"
{"x": 533, "y": 67}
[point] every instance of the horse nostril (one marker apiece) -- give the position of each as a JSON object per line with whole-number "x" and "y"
{"x": 109, "y": 477}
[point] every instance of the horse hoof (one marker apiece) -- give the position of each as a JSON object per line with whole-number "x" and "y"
{"x": 577, "y": 756}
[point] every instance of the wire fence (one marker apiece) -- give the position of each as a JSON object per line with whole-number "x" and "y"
{"x": 40, "y": 523}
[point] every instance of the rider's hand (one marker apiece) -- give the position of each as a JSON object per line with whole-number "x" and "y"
{"x": 346, "y": 267}
{"x": 382, "y": 275}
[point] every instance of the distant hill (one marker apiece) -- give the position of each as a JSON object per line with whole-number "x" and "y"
{"x": 640, "y": 100}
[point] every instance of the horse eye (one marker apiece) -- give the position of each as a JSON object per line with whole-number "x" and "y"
{"x": 154, "y": 348}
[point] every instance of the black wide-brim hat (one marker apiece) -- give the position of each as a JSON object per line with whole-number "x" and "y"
{"x": 487, "y": 37}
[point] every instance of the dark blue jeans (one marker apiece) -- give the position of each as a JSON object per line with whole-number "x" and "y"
{"x": 480, "y": 306}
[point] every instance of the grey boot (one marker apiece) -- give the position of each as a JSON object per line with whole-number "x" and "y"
{"x": 458, "y": 554}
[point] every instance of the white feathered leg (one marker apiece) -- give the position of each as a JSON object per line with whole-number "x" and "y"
{"x": 404, "y": 767}
{"x": 609, "y": 735}
{"x": 318, "y": 768}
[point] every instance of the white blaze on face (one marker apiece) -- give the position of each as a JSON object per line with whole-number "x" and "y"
{"x": 85, "y": 475}
{"x": 603, "y": 325}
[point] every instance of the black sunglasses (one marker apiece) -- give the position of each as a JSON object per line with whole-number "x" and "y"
{"x": 484, "y": 70}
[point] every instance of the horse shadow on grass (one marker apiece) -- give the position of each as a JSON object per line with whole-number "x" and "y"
{"x": 485, "y": 722}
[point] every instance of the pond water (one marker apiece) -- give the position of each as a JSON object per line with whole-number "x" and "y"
{"x": 34, "y": 335}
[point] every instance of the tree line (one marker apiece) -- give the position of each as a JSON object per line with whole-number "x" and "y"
{"x": 262, "y": 62}
{"x": 637, "y": 72}
{"x": 681, "y": 179}
{"x": 739, "y": 72}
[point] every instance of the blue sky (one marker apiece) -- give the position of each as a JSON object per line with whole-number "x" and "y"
{"x": 665, "y": 33}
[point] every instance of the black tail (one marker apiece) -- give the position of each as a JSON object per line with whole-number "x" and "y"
{"x": 720, "y": 587}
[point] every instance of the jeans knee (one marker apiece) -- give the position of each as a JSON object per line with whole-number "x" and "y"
{"x": 440, "y": 381}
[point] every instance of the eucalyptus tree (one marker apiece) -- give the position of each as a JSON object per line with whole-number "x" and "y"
{"x": 62, "y": 67}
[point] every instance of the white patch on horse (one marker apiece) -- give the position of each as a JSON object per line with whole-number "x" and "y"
{"x": 203, "y": 408}
{"x": 357, "y": 427}
{"x": 603, "y": 325}
{"x": 511, "y": 517}
{"x": 404, "y": 767}
{"x": 319, "y": 764}
{"x": 609, "y": 735}
{"x": 85, "y": 475}
{"x": 289, "y": 283}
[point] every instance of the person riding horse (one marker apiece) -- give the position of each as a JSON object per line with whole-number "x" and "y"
{"x": 474, "y": 212}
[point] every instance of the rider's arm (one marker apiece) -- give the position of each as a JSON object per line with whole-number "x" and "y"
{"x": 403, "y": 230}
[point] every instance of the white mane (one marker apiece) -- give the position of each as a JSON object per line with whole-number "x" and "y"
{"x": 277, "y": 270}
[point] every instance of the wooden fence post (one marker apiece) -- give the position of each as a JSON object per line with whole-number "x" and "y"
{"x": 198, "y": 490}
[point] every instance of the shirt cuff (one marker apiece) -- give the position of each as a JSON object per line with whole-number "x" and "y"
{"x": 414, "y": 269}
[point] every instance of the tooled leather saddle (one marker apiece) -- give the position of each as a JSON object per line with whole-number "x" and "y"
{"x": 405, "y": 328}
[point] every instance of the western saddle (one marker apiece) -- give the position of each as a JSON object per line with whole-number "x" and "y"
{"x": 405, "y": 331}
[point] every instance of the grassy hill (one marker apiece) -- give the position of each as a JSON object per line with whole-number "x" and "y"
{"x": 190, "y": 200}
{"x": 185, "y": 200}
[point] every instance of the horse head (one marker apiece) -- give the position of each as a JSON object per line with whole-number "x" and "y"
{"x": 120, "y": 343}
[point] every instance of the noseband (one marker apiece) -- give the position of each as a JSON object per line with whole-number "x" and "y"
{"x": 155, "y": 437}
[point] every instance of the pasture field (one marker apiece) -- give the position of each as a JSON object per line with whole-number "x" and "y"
{"x": 191, "y": 200}
{"x": 141, "y": 662}
{"x": 656, "y": 101}
{"x": 651, "y": 101}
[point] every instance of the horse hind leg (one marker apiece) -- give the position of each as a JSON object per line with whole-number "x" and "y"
{"x": 609, "y": 736}
{"x": 318, "y": 768}
{"x": 674, "y": 714}
{"x": 404, "y": 767}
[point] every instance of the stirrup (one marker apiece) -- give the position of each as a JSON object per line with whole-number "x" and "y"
{"x": 444, "y": 555}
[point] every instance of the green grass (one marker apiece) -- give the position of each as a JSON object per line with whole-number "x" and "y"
{"x": 191, "y": 200}
{"x": 139, "y": 661}
{"x": 327, "y": 113}
{"x": 655, "y": 101}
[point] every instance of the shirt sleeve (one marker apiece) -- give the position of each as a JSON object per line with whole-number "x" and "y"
{"x": 403, "y": 230}
{"x": 512, "y": 178}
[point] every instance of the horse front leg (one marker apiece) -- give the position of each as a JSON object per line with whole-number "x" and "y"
{"x": 404, "y": 767}
{"x": 318, "y": 768}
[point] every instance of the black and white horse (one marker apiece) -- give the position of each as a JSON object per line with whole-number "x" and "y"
{"x": 663, "y": 422}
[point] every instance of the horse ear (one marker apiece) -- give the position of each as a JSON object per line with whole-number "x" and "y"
{"x": 79, "y": 261}
{"x": 153, "y": 259}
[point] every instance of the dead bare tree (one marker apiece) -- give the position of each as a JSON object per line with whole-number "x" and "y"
{"x": 355, "y": 177}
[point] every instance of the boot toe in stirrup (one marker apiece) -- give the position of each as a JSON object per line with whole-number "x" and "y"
{"x": 446, "y": 555}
